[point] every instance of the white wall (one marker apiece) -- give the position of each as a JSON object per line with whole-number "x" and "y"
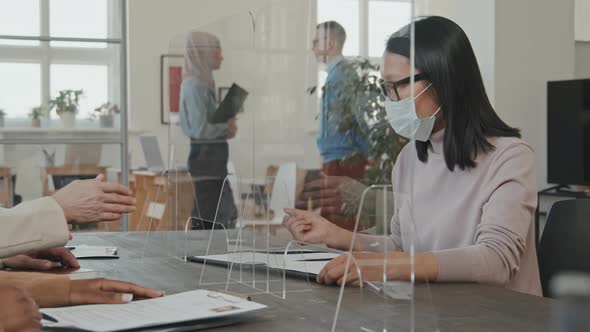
{"x": 477, "y": 19}
{"x": 582, "y": 60}
{"x": 582, "y": 33}
{"x": 532, "y": 47}
{"x": 582, "y": 21}
{"x": 273, "y": 64}
{"x": 518, "y": 50}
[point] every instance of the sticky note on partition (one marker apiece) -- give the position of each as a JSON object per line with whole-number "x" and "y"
{"x": 156, "y": 210}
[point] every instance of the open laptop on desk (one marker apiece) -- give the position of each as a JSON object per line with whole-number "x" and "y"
{"x": 153, "y": 156}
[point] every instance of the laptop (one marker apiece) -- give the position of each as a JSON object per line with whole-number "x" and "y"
{"x": 152, "y": 154}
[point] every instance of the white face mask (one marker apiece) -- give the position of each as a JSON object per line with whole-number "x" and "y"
{"x": 403, "y": 119}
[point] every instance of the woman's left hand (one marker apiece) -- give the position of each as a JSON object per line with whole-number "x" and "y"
{"x": 369, "y": 264}
{"x": 42, "y": 260}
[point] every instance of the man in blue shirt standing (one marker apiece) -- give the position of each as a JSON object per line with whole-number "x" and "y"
{"x": 342, "y": 144}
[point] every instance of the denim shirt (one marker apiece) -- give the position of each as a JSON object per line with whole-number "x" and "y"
{"x": 333, "y": 143}
{"x": 197, "y": 104}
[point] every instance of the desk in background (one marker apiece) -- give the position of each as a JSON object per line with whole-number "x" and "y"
{"x": 164, "y": 202}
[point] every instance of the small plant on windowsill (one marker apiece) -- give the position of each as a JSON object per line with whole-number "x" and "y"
{"x": 66, "y": 106}
{"x": 2, "y": 115}
{"x": 105, "y": 114}
{"x": 36, "y": 114}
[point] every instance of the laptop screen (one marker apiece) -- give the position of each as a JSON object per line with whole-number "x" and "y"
{"x": 151, "y": 152}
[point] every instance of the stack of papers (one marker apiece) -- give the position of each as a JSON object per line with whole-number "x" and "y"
{"x": 309, "y": 263}
{"x": 187, "y": 307}
{"x": 86, "y": 252}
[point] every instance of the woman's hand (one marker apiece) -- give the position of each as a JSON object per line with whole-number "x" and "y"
{"x": 398, "y": 266}
{"x": 42, "y": 260}
{"x": 18, "y": 311}
{"x": 232, "y": 128}
{"x": 99, "y": 291}
{"x": 87, "y": 201}
{"x": 369, "y": 264}
{"x": 311, "y": 228}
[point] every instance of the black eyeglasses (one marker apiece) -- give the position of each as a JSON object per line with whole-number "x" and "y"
{"x": 389, "y": 88}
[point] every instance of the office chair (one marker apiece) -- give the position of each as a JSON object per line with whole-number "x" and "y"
{"x": 565, "y": 243}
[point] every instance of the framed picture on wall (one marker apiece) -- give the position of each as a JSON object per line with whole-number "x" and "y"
{"x": 170, "y": 82}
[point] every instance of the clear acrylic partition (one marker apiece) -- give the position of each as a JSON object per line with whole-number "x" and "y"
{"x": 252, "y": 256}
{"x": 226, "y": 189}
{"x": 384, "y": 277}
{"x": 379, "y": 271}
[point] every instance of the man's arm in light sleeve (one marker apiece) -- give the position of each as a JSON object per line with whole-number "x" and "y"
{"x": 32, "y": 226}
{"x": 500, "y": 238}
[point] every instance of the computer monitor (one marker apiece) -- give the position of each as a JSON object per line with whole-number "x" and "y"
{"x": 568, "y": 132}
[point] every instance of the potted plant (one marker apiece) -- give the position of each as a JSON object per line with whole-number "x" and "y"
{"x": 66, "y": 106}
{"x": 2, "y": 115}
{"x": 361, "y": 91}
{"x": 106, "y": 114}
{"x": 36, "y": 114}
{"x": 360, "y": 87}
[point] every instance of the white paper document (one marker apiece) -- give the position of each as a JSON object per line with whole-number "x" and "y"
{"x": 84, "y": 251}
{"x": 184, "y": 307}
{"x": 309, "y": 263}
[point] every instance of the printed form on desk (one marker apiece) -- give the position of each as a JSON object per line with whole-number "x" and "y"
{"x": 308, "y": 263}
{"x": 183, "y": 307}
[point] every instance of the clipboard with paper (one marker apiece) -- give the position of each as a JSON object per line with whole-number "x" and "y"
{"x": 231, "y": 104}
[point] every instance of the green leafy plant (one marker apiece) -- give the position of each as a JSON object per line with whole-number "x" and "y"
{"x": 106, "y": 109}
{"x": 66, "y": 102}
{"x": 38, "y": 112}
{"x": 2, "y": 113}
{"x": 359, "y": 102}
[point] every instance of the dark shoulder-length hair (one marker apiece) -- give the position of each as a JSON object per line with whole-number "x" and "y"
{"x": 444, "y": 54}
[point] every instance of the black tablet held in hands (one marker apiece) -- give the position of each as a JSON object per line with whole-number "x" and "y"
{"x": 231, "y": 105}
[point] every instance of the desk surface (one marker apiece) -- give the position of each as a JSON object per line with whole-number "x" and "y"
{"x": 456, "y": 307}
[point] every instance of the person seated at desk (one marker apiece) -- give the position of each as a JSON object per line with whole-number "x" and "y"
{"x": 43, "y": 223}
{"x": 467, "y": 178}
{"x": 207, "y": 161}
{"x": 35, "y": 228}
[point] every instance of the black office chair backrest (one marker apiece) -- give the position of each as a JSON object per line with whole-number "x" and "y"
{"x": 565, "y": 244}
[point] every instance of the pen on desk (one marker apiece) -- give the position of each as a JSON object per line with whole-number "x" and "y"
{"x": 314, "y": 260}
{"x": 48, "y": 318}
{"x": 71, "y": 248}
{"x": 375, "y": 288}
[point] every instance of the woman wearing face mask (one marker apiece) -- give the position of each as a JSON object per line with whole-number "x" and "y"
{"x": 209, "y": 149}
{"x": 468, "y": 177}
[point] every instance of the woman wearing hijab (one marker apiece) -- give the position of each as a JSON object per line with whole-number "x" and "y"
{"x": 209, "y": 152}
{"x": 468, "y": 178}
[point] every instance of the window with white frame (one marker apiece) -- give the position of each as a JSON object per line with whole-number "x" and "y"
{"x": 33, "y": 71}
{"x": 368, "y": 23}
